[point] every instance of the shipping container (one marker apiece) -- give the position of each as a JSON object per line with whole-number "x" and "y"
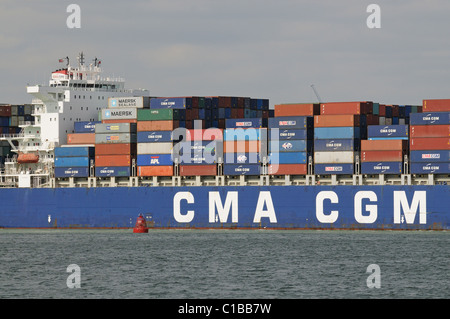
{"x": 74, "y": 151}
{"x": 336, "y": 132}
{"x": 115, "y": 149}
{"x": 154, "y": 159}
{"x": 143, "y": 126}
{"x": 129, "y": 101}
{"x": 120, "y": 113}
{"x": 346, "y": 108}
{"x": 85, "y": 127}
{"x": 336, "y": 120}
{"x": 241, "y": 146}
{"x": 250, "y": 134}
{"x": 288, "y": 169}
{"x": 430, "y": 130}
{"x": 81, "y": 138}
{"x": 64, "y": 172}
{"x": 154, "y": 136}
{"x": 155, "y": 115}
{"x": 244, "y": 123}
{"x": 119, "y": 121}
{"x": 241, "y": 169}
{"x": 430, "y": 118}
{"x": 5, "y": 110}
{"x": 196, "y": 158}
{"x": 384, "y": 145}
{"x": 288, "y": 158}
{"x": 154, "y": 148}
{"x": 171, "y": 103}
{"x": 387, "y": 131}
{"x": 334, "y": 169}
{"x": 241, "y": 158}
{"x": 198, "y": 170}
{"x": 291, "y": 146}
{"x": 294, "y": 134}
{"x": 205, "y": 134}
{"x": 120, "y": 138}
{"x": 382, "y": 156}
{"x": 82, "y": 161}
{"x": 291, "y": 122}
{"x": 337, "y": 145}
{"x": 429, "y": 143}
{"x": 107, "y": 128}
{"x": 197, "y": 146}
{"x": 297, "y": 109}
{"x": 430, "y": 156}
{"x": 109, "y": 171}
{"x": 430, "y": 168}
{"x": 334, "y": 157}
{"x": 113, "y": 160}
{"x": 381, "y": 168}
{"x": 163, "y": 170}
{"x": 438, "y": 105}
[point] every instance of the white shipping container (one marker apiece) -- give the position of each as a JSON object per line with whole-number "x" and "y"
{"x": 154, "y": 148}
{"x": 333, "y": 157}
{"x": 129, "y": 101}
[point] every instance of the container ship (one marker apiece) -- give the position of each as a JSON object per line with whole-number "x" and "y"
{"x": 89, "y": 153}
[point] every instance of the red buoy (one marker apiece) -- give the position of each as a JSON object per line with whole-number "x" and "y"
{"x": 141, "y": 225}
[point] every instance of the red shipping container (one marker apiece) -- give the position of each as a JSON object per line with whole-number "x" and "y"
{"x": 372, "y": 119}
{"x": 143, "y": 126}
{"x": 113, "y": 160}
{"x": 241, "y": 146}
{"x": 429, "y": 143}
{"x": 395, "y": 110}
{"x": 336, "y": 120}
{"x": 438, "y": 105}
{"x": 297, "y": 109}
{"x": 5, "y": 110}
{"x": 198, "y": 170}
{"x": 384, "y": 145}
{"x": 382, "y": 156}
{"x": 288, "y": 169}
{"x": 155, "y": 170}
{"x": 115, "y": 149}
{"x": 429, "y": 130}
{"x": 210, "y": 134}
{"x": 346, "y": 108}
{"x": 81, "y": 138}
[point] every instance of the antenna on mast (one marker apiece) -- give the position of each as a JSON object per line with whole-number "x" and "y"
{"x": 317, "y": 94}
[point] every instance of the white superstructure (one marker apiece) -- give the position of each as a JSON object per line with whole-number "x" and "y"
{"x": 74, "y": 93}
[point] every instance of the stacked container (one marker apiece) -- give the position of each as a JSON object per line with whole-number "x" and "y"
{"x": 383, "y": 156}
{"x": 245, "y": 143}
{"x": 430, "y": 138}
{"x": 115, "y": 149}
{"x": 73, "y": 161}
{"x": 290, "y": 138}
{"x": 337, "y": 136}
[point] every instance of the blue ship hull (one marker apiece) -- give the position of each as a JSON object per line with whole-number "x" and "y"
{"x": 272, "y": 207}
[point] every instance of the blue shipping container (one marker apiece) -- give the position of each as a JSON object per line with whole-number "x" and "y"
{"x": 244, "y": 123}
{"x": 154, "y": 160}
{"x": 84, "y": 127}
{"x": 387, "y": 131}
{"x": 239, "y": 134}
{"x": 63, "y": 172}
{"x": 112, "y": 171}
{"x": 295, "y": 134}
{"x": 75, "y": 151}
{"x": 331, "y": 145}
{"x": 288, "y": 158}
{"x": 290, "y": 146}
{"x": 241, "y": 158}
{"x": 72, "y": 161}
{"x": 241, "y": 169}
{"x": 291, "y": 122}
{"x": 430, "y": 156}
{"x": 171, "y": 103}
{"x": 154, "y": 136}
{"x": 429, "y": 118}
{"x": 333, "y": 169}
{"x": 381, "y": 168}
{"x": 197, "y": 159}
{"x": 336, "y": 132}
{"x": 430, "y": 168}
{"x": 196, "y": 146}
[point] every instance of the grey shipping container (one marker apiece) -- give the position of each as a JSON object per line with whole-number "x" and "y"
{"x": 115, "y": 138}
{"x": 115, "y": 128}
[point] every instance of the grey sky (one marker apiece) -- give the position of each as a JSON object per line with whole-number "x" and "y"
{"x": 263, "y": 49}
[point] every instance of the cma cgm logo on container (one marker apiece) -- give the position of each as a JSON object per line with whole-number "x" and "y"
{"x": 285, "y": 123}
{"x": 241, "y": 158}
{"x": 333, "y": 169}
{"x": 243, "y": 124}
{"x": 287, "y": 146}
{"x": 429, "y": 156}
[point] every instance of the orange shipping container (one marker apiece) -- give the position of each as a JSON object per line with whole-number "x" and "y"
{"x": 155, "y": 170}
{"x": 120, "y": 121}
{"x": 112, "y": 160}
{"x": 346, "y": 108}
{"x": 241, "y": 146}
{"x": 115, "y": 149}
{"x": 143, "y": 126}
{"x": 430, "y": 130}
{"x": 81, "y": 138}
{"x": 336, "y": 120}
{"x": 440, "y": 105}
{"x": 384, "y": 145}
{"x": 382, "y": 156}
{"x": 297, "y": 109}
{"x": 429, "y": 143}
{"x": 288, "y": 169}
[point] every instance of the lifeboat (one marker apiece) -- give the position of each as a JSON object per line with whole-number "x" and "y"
{"x": 141, "y": 225}
{"x": 27, "y": 158}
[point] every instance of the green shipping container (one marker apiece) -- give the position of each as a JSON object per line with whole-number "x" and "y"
{"x": 155, "y": 115}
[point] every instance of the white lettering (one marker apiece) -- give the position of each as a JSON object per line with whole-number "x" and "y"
{"x": 231, "y": 202}
{"x": 73, "y": 20}
{"x": 374, "y": 20}
{"x": 189, "y": 216}
{"x": 372, "y": 217}
{"x": 265, "y": 198}
{"x": 74, "y": 279}
{"x": 321, "y": 217}
{"x": 419, "y": 201}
